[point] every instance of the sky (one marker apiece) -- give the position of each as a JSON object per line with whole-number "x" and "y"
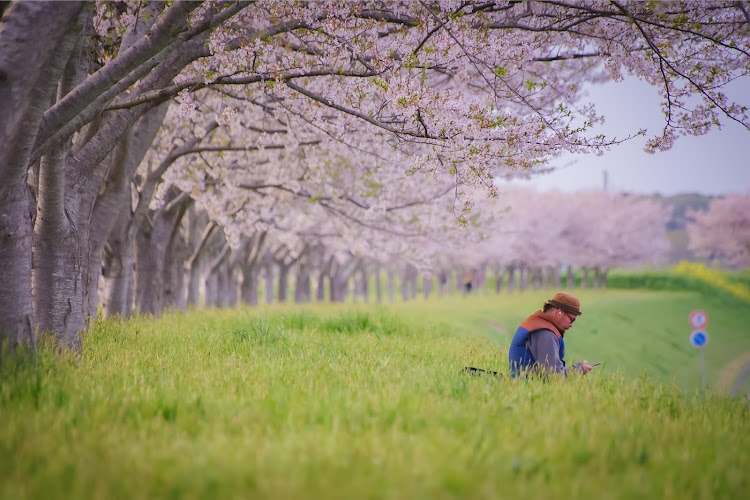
{"x": 712, "y": 164}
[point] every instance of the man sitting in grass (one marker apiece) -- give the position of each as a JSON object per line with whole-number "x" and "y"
{"x": 538, "y": 343}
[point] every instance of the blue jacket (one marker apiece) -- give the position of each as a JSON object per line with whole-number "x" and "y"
{"x": 520, "y": 358}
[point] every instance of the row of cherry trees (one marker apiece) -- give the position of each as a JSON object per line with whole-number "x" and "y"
{"x": 531, "y": 236}
{"x": 136, "y": 137}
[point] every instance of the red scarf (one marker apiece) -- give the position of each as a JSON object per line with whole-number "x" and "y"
{"x": 541, "y": 320}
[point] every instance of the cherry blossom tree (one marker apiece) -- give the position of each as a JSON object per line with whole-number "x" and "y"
{"x": 618, "y": 230}
{"x": 723, "y": 231}
{"x": 59, "y": 140}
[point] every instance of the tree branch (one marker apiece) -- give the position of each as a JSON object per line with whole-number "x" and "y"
{"x": 89, "y": 98}
{"x": 343, "y": 109}
{"x": 161, "y": 36}
{"x": 663, "y": 61}
{"x": 198, "y": 83}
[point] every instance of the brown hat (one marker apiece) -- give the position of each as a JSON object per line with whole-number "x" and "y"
{"x": 566, "y": 302}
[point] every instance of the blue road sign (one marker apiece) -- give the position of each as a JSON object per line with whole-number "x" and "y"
{"x": 699, "y": 339}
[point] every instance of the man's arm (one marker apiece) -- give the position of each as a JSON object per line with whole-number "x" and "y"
{"x": 545, "y": 348}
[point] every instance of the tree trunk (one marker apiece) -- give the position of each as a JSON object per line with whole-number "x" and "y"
{"x": 58, "y": 298}
{"x": 557, "y": 282}
{"x": 194, "y": 282}
{"x": 268, "y": 279}
{"x": 250, "y": 268}
{"x": 249, "y": 289}
{"x": 210, "y": 290}
{"x": 426, "y": 286}
{"x": 322, "y": 276}
{"x": 226, "y": 286}
{"x": 413, "y": 274}
{"x": 409, "y": 283}
{"x": 548, "y": 277}
{"x": 571, "y": 278}
{"x": 58, "y": 250}
{"x": 150, "y": 249}
{"x": 523, "y": 279}
{"x": 511, "y": 278}
{"x": 390, "y": 285}
{"x": 339, "y": 278}
{"x": 15, "y": 261}
{"x": 542, "y": 277}
{"x": 535, "y": 275}
{"x": 173, "y": 274}
{"x": 365, "y": 284}
{"x": 338, "y": 288}
{"x": 600, "y": 277}
{"x": 498, "y": 279}
{"x": 152, "y": 245}
{"x": 118, "y": 270}
{"x": 481, "y": 279}
{"x": 24, "y": 95}
{"x": 232, "y": 286}
{"x": 585, "y": 277}
{"x": 216, "y": 277}
{"x": 57, "y": 274}
{"x": 355, "y": 289}
{"x": 595, "y": 277}
{"x": 302, "y": 283}
{"x": 405, "y": 284}
{"x": 193, "y": 264}
{"x": 283, "y": 282}
{"x": 378, "y": 284}
{"x": 223, "y": 286}
{"x": 118, "y": 285}
{"x": 333, "y": 291}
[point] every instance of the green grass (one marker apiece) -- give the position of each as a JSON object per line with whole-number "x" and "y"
{"x": 742, "y": 277}
{"x": 329, "y": 401}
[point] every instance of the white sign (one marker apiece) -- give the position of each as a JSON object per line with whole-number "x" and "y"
{"x": 698, "y": 319}
{"x": 699, "y": 339}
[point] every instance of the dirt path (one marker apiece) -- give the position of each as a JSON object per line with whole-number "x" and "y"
{"x": 731, "y": 371}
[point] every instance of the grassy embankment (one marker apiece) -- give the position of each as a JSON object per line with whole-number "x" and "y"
{"x": 346, "y": 402}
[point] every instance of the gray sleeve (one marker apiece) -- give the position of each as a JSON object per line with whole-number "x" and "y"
{"x": 545, "y": 348}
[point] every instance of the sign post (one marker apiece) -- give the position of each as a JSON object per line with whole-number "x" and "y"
{"x": 699, "y": 338}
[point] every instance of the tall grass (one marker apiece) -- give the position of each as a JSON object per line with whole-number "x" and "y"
{"x": 355, "y": 402}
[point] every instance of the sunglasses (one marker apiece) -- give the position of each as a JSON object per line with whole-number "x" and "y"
{"x": 572, "y": 317}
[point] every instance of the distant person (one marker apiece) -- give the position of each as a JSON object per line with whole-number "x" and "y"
{"x": 468, "y": 278}
{"x": 538, "y": 344}
{"x": 443, "y": 281}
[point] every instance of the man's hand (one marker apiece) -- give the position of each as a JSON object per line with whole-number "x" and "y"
{"x": 586, "y": 367}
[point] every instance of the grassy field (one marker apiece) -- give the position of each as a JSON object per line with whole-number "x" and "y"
{"x": 367, "y": 402}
